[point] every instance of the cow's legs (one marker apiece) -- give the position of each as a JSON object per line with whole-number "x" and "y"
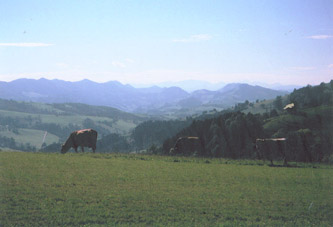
{"x": 271, "y": 162}
{"x": 284, "y": 147}
{"x": 75, "y": 148}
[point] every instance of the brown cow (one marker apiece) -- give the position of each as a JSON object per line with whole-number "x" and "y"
{"x": 82, "y": 138}
{"x": 187, "y": 145}
{"x": 272, "y": 148}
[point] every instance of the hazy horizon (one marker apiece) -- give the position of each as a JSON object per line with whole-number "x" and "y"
{"x": 153, "y": 42}
{"x": 187, "y": 85}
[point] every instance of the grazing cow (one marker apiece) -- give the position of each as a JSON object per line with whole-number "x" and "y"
{"x": 83, "y": 138}
{"x": 271, "y": 148}
{"x": 187, "y": 146}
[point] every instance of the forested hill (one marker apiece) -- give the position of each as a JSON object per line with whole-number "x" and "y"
{"x": 308, "y": 128}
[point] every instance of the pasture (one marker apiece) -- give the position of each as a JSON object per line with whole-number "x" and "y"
{"x": 39, "y": 189}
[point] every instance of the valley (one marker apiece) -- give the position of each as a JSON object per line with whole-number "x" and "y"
{"x": 226, "y": 128}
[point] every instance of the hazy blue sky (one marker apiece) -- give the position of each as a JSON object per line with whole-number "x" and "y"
{"x": 290, "y": 42}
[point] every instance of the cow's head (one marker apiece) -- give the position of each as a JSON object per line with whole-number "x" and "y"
{"x": 63, "y": 149}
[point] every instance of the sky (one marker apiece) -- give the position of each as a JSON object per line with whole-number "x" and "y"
{"x": 147, "y": 42}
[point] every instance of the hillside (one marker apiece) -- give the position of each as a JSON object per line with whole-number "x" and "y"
{"x": 308, "y": 128}
{"x": 228, "y": 96}
{"x": 241, "y": 92}
{"x": 23, "y": 124}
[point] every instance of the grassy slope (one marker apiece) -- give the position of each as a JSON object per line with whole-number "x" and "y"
{"x": 259, "y": 109}
{"x": 76, "y": 189}
{"x": 65, "y": 120}
{"x": 34, "y": 137}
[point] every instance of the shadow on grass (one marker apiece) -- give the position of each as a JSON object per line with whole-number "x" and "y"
{"x": 291, "y": 166}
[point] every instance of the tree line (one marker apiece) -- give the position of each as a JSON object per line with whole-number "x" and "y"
{"x": 12, "y": 144}
{"x": 308, "y": 128}
{"x": 154, "y": 132}
{"x": 230, "y": 135}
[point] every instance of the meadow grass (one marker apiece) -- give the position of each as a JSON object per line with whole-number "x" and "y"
{"x": 39, "y": 189}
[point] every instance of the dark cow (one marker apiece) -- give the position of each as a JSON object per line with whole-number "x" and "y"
{"x": 82, "y": 138}
{"x": 271, "y": 148}
{"x": 187, "y": 145}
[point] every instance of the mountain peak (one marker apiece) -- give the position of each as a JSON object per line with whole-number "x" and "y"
{"x": 86, "y": 81}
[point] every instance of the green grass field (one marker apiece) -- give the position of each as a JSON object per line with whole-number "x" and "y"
{"x": 39, "y": 189}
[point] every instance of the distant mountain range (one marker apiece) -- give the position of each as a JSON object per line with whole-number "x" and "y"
{"x": 189, "y": 85}
{"x": 193, "y": 85}
{"x": 128, "y": 98}
{"x": 234, "y": 93}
